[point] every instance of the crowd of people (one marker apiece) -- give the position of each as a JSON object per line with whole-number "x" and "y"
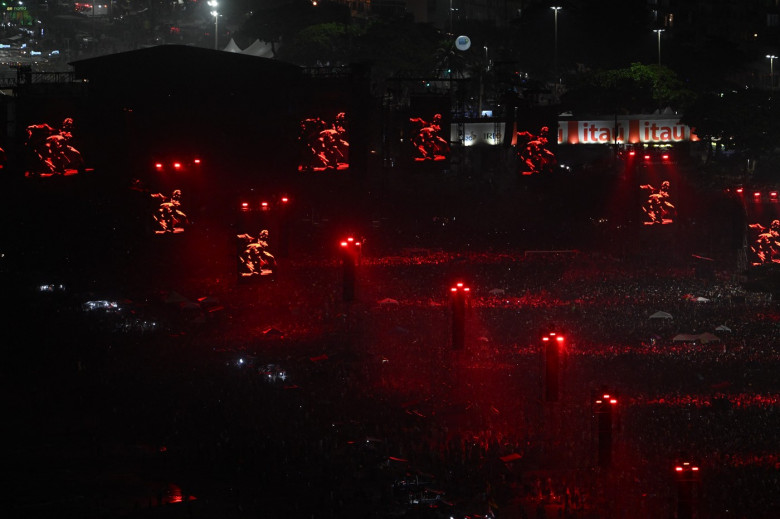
{"x": 375, "y": 397}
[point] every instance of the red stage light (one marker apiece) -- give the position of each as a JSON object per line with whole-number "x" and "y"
{"x": 678, "y": 469}
{"x": 739, "y": 190}
{"x": 631, "y": 153}
{"x": 694, "y": 468}
{"x": 177, "y": 165}
{"x": 264, "y": 205}
{"x": 245, "y": 205}
{"x": 665, "y": 156}
{"x": 559, "y": 338}
{"x": 197, "y": 161}
{"x": 158, "y": 165}
{"x": 343, "y": 244}
{"x": 543, "y": 338}
{"x": 285, "y": 199}
{"x": 613, "y": 400}
{"x": 647, "y": 157}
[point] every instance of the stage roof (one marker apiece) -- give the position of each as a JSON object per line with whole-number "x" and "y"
{"x": 186, "y": 67}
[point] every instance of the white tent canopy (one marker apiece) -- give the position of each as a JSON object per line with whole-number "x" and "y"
{"x": 661, "y": 315}
{"x": 260, "y": 49}
{"x": 232, "y": 46}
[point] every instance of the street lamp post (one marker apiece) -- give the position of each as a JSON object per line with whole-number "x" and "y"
{"x": 555, "y": 56}
{"x": 658, "y": 32}
{"x": 771, "y": 71}
{"x": 214, "y": 4}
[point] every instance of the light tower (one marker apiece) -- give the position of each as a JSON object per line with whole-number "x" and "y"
{"x": 350, "y": 254}
{"x": 459, "y": 293}
{"x": 555, "y": 9}
{"x": 605, "y": 408}
{"x": 688, "y": 481}
{"x": 552, "y": 342}
{"x": 215, "y": 13}
{"x": 771, "y": 58}
{"x": 658, "y": 32}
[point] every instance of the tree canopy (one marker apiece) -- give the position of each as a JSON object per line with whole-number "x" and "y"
{"x": 636, "y": 89}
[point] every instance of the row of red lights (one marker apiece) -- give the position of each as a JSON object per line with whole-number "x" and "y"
{"x": 350, "y": 241}
{"x": 607, "y": 398}
{"x": 686, "y": 466}
{"x": 176, "y": 165}
{"x": 558, "y": 338}
{"x": 264, "y": 206}
{"x": 459, "y": 287}
{"x": 647, "y": 156}
{"x": 757, "y": 194}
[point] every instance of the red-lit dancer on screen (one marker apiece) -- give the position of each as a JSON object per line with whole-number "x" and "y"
{"x": 532, "y": 152}
{"x": 325, "y": 147}
{"x": 169, "y": 216}
{"x": 255, "y": 259}
{"x": 767, "y": 244}
{"x": 658, "y": 207}
{"x": 51, "y": 148}
{"x": 426, "y": 139}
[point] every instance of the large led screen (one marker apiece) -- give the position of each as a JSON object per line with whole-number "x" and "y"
{"x": 323, "y": 144}
{"x": 763, "y": 217}
{"x": 50, "y": 150}
{"x": 657, "y": 206}
{"x": 533, "y": 152}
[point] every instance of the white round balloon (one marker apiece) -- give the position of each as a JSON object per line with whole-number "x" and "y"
{"x": 462, "y": 43}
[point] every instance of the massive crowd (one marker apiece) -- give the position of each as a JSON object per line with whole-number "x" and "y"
{"x": 379, "y": 417}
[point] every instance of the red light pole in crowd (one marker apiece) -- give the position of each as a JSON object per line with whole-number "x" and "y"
{"x": 688, "y": 480}
{"x": 459, "y": 294}
{"x": 553, "y": 343}
{"x": 605, "y": 408}
{"x": 350, "y": 254}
